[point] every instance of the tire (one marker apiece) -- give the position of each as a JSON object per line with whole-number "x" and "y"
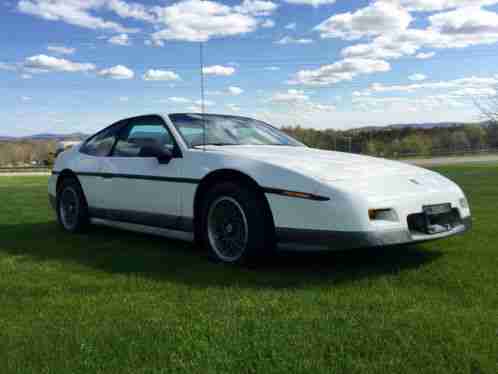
{"x": 72, "y": 209}
{"x": 236, "y": 225}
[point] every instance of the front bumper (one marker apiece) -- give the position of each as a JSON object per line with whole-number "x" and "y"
{"x": 305, "y": 240}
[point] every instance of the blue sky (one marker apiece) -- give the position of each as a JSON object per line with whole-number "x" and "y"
{"x": 78, "y": 65}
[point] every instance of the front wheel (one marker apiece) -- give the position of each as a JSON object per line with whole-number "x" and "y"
{"x": 236, "y": 225}
{"x": 72, "y": 211}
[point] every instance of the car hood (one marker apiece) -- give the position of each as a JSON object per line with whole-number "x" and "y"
{"x": 324, "y": 165}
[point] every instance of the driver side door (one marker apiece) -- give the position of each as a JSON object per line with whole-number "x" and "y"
{"x": 144, "y": 191}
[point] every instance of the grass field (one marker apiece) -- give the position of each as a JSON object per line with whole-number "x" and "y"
{"x": 119, "y": 302}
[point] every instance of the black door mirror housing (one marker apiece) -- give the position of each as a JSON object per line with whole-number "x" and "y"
{"x": 163, "y": 155}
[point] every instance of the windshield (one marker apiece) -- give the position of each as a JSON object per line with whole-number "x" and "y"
{"x": 228, "y": 130}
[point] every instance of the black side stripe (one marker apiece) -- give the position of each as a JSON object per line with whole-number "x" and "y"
{"x": 295, "y": 194}
{"x": 269, "y": 190}
{"x": 141, "y": 177}
{"x": 136, "y": 176}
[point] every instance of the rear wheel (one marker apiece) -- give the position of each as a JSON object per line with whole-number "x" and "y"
{"x": 235, "y": 224}
{"x": 72, "y": 211}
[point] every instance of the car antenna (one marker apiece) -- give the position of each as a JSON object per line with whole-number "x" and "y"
{"x": 201, "y": 58}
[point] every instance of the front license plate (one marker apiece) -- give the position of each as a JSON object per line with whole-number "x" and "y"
{"x": 432, "y": 210}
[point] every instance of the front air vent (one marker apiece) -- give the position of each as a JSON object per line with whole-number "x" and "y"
{"x": 421, "y": 223}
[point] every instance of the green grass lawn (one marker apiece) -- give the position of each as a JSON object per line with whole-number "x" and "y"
{"x": 118, "y": 302}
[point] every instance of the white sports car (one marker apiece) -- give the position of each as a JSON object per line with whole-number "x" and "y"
{"x": 242, "y": 187}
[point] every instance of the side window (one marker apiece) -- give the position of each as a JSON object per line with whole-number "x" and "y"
{"x": 142, "y": 132}
{"x": 101, "y": 144}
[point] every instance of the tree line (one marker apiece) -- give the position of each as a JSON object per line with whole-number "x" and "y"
{"x": 26, "y": 153}
{"x": 383, "y": 142}
{"x": 396, "y": 142}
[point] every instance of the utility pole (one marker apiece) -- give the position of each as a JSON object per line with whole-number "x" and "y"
{"x": 203, "y": 108}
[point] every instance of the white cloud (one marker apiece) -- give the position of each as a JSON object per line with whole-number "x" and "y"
{"x": 117, "y": 72}
{"x": 256, "y": 7}
{"x": 26, "y": 98}
{"x": 195, "y": 109}
{"x": 437, "y": 5}
{"x": 382, "y": 47}
{"x": 314, "y": 3}
{"x": 197, "y": 21}
{"x": 272, "y": 68}
{"x": 459, "y": 28}
{"x": 179, "y": 100}
{"x": 60, "y": 49}
{"x": 290, "y": 40}
{"x": 198, "y": 108}
{"x": 425, "y": 56}
{"x": 154, "y": 42}
{"x": 121, "y": 39}
{"x": 379, "y": 18}
{"x": 130, "y": 10}
{"x": 268, "y": 24}
{"x": 214, "y": 93}
{"x": 44, "y": 63}
{"x": 361, "y": 93}
{"x": 417, "y": 77}
{"x": 476, "y": 84}
{"x": 235, "y": 91}
{"x": 464, "y": 27}
{"x": 289, "y": 96}
{"x": 7, "y": 67}
{"x": 187, "y": 20}
{"x": 290, "y": 26}
{"x": 160, "y": 75}
{"x": 233, "y": 107}
{"x": 124, "y": 99}
{"x": 196, "y": 104}
{"x": 473, "y": 92}
{"x": 218, "y": 70}
{"x": 339, "y": 71}
{"x": 26, "y": 76}
{"x": 406, "y": 104}
{"x": 74, "y": 12}
{"x": 299, "y": 101}
{"x": 206, "y": 103}
{"x": 316, "y": 107}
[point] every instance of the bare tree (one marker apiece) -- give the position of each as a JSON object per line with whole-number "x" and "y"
{"x": 488, "y": 107}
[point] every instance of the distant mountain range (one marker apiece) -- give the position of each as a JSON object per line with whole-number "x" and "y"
{"x": 427, "y": 126}
{"x": 47, "y": 136}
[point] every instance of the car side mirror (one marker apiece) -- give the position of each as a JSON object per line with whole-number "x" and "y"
{"x": 163, "y": 155}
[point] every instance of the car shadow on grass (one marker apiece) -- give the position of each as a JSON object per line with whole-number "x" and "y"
{"x": 121, "y": 252}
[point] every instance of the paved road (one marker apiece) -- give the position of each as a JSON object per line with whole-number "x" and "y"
{"x": 452, "y": 160}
